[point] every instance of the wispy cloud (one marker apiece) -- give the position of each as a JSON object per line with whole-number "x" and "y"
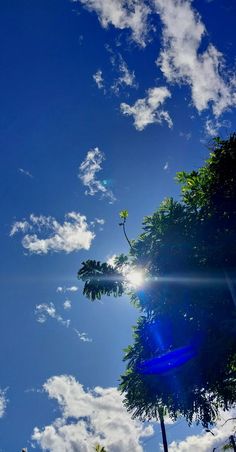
{"x": 3, "y": 402}
{"x": 47, "y": 310}
{"x": 181, "y": 61}
{"x": 166, "y": 166}
{"x": 99, "y": 416}
{"x": 72, "y": 235}
{"x": 20, "y": 226}
{"x": 122, "y": 15}
{"x": 83, "y": 336}
{"x": 147, "y": 110}
{"x": 87, "y": 174}
{"x": 67, "y": 289}
{"x": 26, "y": 173}
{"x": 212, "y": 126}
{"x": 67, "y": 304}
{"x": 126, "y": 77}
{"x": 98, "y": 78}
{"x": 98, "y": 221}
{"x": 186, "y": 135}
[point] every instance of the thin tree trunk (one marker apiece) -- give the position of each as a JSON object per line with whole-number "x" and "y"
{"x": 124, "y": 230}
{"x": 232, "y": 440}
{"x": 163, "y": 429}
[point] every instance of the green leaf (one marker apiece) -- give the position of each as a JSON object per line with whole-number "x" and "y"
{"x": 124, "y": 214}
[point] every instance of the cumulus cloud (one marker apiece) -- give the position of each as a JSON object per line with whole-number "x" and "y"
{"x": 44, "y": 311}
{"x": 122, "y": 14}
{"x": 206, "y": 441}
{"x": 181, "y": 61}
{"x": 89, "y": 417}
{"x": 87, "y": 174}
{"x": 3, "y": 402}
{"x": 98, "y": 78}
{"x": 47, "y": 234}
{"x": 147, "y": 110}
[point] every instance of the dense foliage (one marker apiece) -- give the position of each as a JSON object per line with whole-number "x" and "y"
{"x": 184, "y": 352}
{"x": 100, "y": 279}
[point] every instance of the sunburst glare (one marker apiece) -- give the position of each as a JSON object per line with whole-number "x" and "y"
{"x": 135, "y": 278}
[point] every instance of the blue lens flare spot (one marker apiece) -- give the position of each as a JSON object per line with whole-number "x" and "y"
{"x": 167, "y": 361}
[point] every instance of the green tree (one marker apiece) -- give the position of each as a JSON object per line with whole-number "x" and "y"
{"x": 183, "y": 357}
{"x": 100, "y": 279}
{"x": 99, "y": 448}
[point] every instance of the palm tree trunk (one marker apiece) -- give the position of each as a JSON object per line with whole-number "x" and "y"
{"x": 232, "y": 441}
{"x": 163, "y": 429}
{"x": 124, "y": 230}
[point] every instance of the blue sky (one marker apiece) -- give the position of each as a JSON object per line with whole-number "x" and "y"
{"x": 102, "y": 102}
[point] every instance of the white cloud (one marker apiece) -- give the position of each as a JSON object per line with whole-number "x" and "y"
{"x": 83, "y": 336}
{"x": 98, "y": 416}
{"x": 3, "y": 402}
{"x": 100, "y": 221}
{"x": 166, "y": 166}
{"x": 111, "y": 260}
{"x": 212, "y": 126}
{"x": 147, "y": 110}
{"x": 206, "y": 441}
{"x": 181, "y": 61}
{"x": 87, "y": 174}
{"x": 26, "y": 173}
{"x": 72, "y": 235}
{"x": 19, "y": 226}
{"x": 98, "y": 78}
{"x": 122, "y": 14}
{"x": 126, "y": 77}
{"x": 67, "y": 304}
{"x": 67, "y": 289}
{"x": 72, "y": 289}
{"x": 44, "y": 311}
{"x": 60, "y": 289}
{"x": 186, "y": 135}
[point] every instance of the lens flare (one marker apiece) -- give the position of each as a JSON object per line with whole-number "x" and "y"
{"x": 166, "y": 362}
{"x": 135, "y": 278}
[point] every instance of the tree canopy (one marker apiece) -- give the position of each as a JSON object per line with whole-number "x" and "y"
{"x": 184, "y": 353}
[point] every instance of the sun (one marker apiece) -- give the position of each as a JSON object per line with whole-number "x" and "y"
{"x": 135, "y": 278}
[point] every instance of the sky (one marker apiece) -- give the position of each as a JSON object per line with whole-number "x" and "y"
{"x": 102, "y": 102}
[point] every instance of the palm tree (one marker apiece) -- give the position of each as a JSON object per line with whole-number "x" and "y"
{"x": 99, "y": 448}
{"x": 100, "y": 279}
